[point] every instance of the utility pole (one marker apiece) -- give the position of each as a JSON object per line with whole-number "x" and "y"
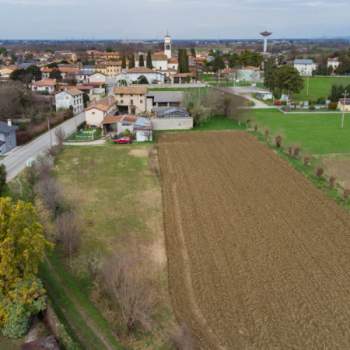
{"x": 308, "y": 86}
{"x": 49, "y": 129}
{"x": 344, "y": 103}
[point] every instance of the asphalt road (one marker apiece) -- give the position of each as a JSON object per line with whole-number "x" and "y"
{"x": 17, "y": 159}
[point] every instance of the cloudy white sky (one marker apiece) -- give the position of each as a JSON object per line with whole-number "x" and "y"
{"x": 137, "y": 19}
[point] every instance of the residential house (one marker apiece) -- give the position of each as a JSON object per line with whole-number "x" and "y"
{"x": 157, "y": 99}
{"x": 97, "y": 78}
{"x": 47, "y": 86}
{"x": 183, "y": 78}
{"x": 333, "y": 63}
{"x": 160, "y": 61}
{"x": 98, "y": 110}
{"x": 140, "y": 127}
{"x": 70, "y": 99}
{"x": 344, "y": 104}
{"x": 130, "y": 99}
{"x": 173, "y": 63}
{"x": 84, "y": 73}
{"x": 45, "y": 72}
{"x": 7, "y": 136}
{"x": 305, "y": 66}
{"x": 171, "y": 118}
{"x": 5, "y": 71}
{"x": 109, "y": 69}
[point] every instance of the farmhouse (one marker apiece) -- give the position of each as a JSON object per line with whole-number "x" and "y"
{"x": 305, "y": 66}
{"x": 70, "y": 99}
{"x": 44, "y": 86}
{"x": 98, "y": 110}
{"x": 130, "y": 99}
{"x": 7, "y": 136}
{"x": 344, "y": 104}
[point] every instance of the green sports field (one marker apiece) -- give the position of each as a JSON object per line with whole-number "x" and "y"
{"x": 315, "y": 133}
{"x": 320, "y": 87}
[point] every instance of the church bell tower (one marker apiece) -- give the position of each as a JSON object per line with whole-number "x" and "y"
{"x": 167, "y": 46}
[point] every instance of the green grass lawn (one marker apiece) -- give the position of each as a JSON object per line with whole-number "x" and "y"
{"x": 320, "y": 87}
{"x": 218, "y": 123}
{"x": 116, "y": 196}
{"x": 315, "y": 133}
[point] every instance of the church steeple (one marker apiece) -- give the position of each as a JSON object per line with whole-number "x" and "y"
{"x": 167, "y": 45}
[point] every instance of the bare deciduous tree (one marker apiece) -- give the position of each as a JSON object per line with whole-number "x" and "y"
{"x": 68, "y": 233}
{"x": 60, "y": 135}
{"x": 125, "y": 281}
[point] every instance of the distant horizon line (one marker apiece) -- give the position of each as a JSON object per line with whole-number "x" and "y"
{"x": 178, "y": 39}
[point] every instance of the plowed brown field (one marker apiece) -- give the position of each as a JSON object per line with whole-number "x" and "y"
{"x": 258, "y": 257}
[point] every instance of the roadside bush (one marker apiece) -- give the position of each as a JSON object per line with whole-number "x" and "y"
{"x": 267, "y": 134}
{"x": 256, "y": 128}
{"x": 332, "y": 181}
{"x": 333, "y": 106}
{"x": 319, "y": 172}
{"x": 296, "y": 151}
{"x": 290, "y": 151}
{"x": 278, "y": 141}
{"x": 307, "y": 160}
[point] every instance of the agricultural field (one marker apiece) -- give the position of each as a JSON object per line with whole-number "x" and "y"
{"x": 316, "y": 133}
{"x": 255, "y": 262}
{"x": 320, "y": 87}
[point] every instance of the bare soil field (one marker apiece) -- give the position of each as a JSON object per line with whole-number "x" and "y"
{"x": 258, "y": 257}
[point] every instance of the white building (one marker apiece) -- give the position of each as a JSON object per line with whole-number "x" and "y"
{"x": 305, "y": 66}
{"x": 98, "y": 110}
{"x": 135, "y": 75}
{"x": 47, "y": 86}
{"x": 70, "y": 99}
{"x": 97, "y": 78}
{"x": 333, "y": 62}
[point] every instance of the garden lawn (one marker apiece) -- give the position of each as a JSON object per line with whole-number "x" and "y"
{"x": 315, "y": 133}
{"x": 320, "y": 87}
{"x": 218, "y": 123}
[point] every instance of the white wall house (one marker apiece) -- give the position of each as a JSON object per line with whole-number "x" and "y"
{"x": 333, "y": 62}
{"x": 305, "y": 66}
{"x": 44, "y": 86}
{"x": 97, "y": 111}
{"x": 97, "y": 78}
{"x": 72, "y": 98}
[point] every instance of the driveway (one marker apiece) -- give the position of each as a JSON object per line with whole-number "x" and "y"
{"x": 246, "y": 92}
{"x": 16, "y": 160}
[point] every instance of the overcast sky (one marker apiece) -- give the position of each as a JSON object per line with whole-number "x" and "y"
{"x": 185, "y": 19}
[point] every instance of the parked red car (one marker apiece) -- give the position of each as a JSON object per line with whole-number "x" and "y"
{"x": 122, "y": 140}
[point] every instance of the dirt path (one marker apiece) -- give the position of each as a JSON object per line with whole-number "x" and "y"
{"x": 89, "y": 322}
{"x": 258, "y": 257}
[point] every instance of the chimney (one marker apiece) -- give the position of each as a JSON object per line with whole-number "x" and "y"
{"x": 9, "y": 122}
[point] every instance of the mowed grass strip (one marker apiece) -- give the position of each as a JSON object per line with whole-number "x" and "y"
{"x": 320, "y": 87}
{"x": 315, "y": 133}
{"x": 83, "y": 321}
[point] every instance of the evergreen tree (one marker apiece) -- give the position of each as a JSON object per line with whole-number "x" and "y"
{"x": 131, "y": 61}
{"x": 149, "y": 63}
{"x": 141, "y": 61}
{"x": 123, "y": 62}
{"x": 183, "y": 61}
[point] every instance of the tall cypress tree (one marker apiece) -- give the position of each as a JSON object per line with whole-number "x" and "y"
{"x": 141, "y": 61}
{"x": 183, "y": 61}
{"x": 131, "y": 61}
{"x": 149, "y": 63}
{"x": 123, "y": 62}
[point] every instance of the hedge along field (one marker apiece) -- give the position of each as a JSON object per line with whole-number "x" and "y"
{"x": 320, "y": 87}
{"x": 314, "y": 132}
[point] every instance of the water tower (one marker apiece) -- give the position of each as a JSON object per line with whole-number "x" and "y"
{"x": 265, "y": 35}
